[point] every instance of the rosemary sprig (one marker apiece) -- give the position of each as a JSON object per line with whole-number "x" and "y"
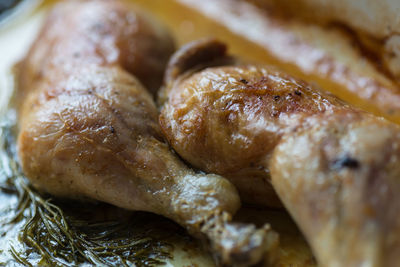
{"x": 57, "y": 233}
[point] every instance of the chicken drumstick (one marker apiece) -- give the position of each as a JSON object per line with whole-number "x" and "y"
{"x": 335, "y": 168}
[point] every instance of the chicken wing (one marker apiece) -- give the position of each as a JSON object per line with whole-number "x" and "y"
{"x": 89, "y": 129}
{"x": 334, "y": 167}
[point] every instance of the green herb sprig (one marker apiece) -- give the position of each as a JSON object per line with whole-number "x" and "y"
{"x": 39, "y": 231}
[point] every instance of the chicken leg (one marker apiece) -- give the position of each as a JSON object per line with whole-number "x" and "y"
{"x": 89, "y": 129}
{"x": 335, "y": 168}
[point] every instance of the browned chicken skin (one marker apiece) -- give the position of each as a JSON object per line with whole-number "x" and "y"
{"x": 89, "y": 129}
{"x": 335, "y": 168}
{"x": 100, "y": 33}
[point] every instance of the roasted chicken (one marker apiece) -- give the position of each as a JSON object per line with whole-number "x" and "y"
{"x": 101, "y": 33}
{"x": 335, "y": 168}
{"x": 88, "y": 129}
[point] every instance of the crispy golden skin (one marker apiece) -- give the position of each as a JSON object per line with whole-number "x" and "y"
{"x": 89, "y": 129}
{"x": 335, "y": 168}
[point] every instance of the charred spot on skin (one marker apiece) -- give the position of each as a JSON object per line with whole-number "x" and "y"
{"x": 244, "y": 81}
{"x": 112, "y": 130}
{"x": 346, "y": 162}
{"x": 297, "y": 93}
{"x": 276, "y": 97}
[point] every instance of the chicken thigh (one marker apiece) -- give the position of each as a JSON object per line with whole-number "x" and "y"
{"x": 335, "y": 168}
{"x": 88, "y": 129}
